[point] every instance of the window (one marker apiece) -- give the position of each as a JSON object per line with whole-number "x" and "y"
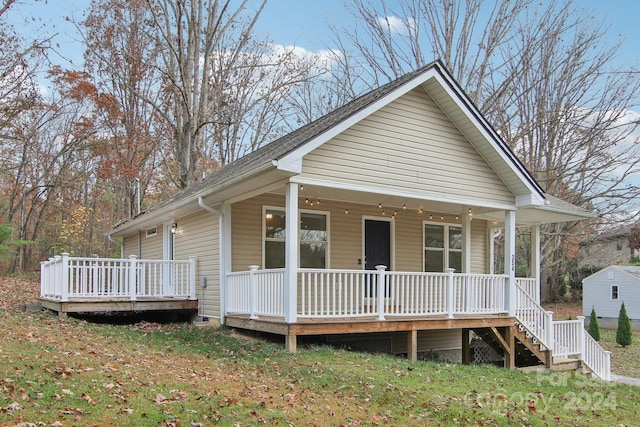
{"x": 442, "y": 247}
{"x": 314, "y": 239}
{"x": 614, "y": 292}
{"x": 619, "y": 245}
{"x": 152, "y": 231}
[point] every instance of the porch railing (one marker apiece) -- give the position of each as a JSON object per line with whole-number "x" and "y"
{"x": 63, "y": 278}
{"x": 326, "y": 293}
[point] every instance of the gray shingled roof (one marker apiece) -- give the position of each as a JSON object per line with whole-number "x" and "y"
{"x": 291, "y": 141}
{"x": 632, "y": 270}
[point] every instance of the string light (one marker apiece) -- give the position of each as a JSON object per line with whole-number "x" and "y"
{"x": 379, "y": 205}
{"x": 346, "y": 211}
{"x": 404, "y": 206}
{"x": 420, "y": 211}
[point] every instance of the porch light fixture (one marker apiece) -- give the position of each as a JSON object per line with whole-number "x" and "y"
{"x": 346, "y": 211}
{"x": 420, "y": 211}
{"x": 174, "y": 228}
{"x": 404, "y": 206}
{"x": 379, "y": 205}
{"x": 470, "y": 214}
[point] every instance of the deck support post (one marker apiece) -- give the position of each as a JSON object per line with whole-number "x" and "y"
{"x": 381, "y": 288}
{"x": 510, "y": 261}
{"x": 291, "y": 343}
{"x": 132, "y": 277}
{"x": 449, "y": 293}
{"x": 510, "y": 353}
{"x": 412, "y": 345}
{"x": 291, "y": 254}
{"x": 466, "y": 348}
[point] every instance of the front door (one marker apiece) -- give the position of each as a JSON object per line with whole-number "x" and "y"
{"x": 377, "y": 243}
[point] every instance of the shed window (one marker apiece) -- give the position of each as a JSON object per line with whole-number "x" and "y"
{"x": 442, "y": 247}
{"x": 614, "y": 292}
{"x": 314, "y": 239}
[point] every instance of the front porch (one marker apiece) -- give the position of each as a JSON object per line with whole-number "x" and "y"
{"x": 106, "y": 285}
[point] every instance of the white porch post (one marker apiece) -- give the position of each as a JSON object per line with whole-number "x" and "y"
{"x": 224, "y": 229}
{"x": 510, "y": 261}
{"x": 64, "y": 277}
{"x": 534, "y": 262}
{"x": 291, "y": 254}
{"x": 133, "y": 269}
{"x": 466, "y": 244}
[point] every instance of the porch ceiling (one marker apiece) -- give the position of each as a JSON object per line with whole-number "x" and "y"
{"x": 335, "y": 196}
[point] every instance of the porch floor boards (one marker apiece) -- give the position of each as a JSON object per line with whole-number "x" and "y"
{"x": 112, "y": 305}
{"x": 277, "y": 325}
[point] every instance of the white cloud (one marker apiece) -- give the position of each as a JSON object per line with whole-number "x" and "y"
{"x": 396, "y": 25}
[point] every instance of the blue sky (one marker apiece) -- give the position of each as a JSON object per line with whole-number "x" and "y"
{"x": 303, "y": 22}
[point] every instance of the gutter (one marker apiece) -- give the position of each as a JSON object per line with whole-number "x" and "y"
{"x": 208, "y": 208}
{"x": 112, "y": 240}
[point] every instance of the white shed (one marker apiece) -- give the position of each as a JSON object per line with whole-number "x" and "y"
{"x": 607, "y": 289}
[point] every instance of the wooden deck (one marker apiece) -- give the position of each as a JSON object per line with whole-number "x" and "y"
{"x": 118, "y": 305}
{"x": 334, "y": 326}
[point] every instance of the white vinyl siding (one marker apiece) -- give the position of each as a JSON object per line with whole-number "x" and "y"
{"x": 198, "y": 235}
{"x": 598, "y": 292}
{"x": 409, "y": 146}
{"x": 345, "y": 234}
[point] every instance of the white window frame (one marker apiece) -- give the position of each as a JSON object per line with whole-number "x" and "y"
{"x": 264, "y": 239}
{"x": 151, "y": 232}
{"x": 617, "y": 290}
{"x": 446, "y": 250}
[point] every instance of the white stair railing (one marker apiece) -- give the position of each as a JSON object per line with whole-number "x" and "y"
{"x": 564, "y": 338}
{"x": 534, "y": 319}
{"x": 597, "y": 359}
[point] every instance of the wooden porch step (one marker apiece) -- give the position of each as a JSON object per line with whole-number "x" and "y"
{"x": 566, "y": 364}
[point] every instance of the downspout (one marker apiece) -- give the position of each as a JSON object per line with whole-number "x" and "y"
{"x": 221, "y": 260}
{"x": 111, "y": 239}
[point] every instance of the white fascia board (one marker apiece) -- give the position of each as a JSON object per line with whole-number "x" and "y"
{"x": 290, "y": 161}
{"x": 393, "y": 192}
{"x": 530, "y": 199}
{"x": 488, "y": 133}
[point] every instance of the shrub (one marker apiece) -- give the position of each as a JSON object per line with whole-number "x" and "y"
{"x": 594, "y": 328}
{"x": 623, "y": 334}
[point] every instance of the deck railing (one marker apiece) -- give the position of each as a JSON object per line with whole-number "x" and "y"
{"x": 324, "y": 293}
{"x": 596, "y": 358}
{"x": 569, "y": 337}
{"x": 63, "y": 278}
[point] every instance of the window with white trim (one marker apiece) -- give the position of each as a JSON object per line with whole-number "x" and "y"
{"x": 314, "y": 238}
{"x": 442, "y": 247}
{"x": 152, "y": 231}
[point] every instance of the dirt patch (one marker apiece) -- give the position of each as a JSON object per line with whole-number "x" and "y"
{"x": 565, "y": 310}
{"x": 14, "y": 293}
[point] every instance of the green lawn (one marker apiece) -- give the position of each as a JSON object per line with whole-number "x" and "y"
{"x": 69, "y": 372}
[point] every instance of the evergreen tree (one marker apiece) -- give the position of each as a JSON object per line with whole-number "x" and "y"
{"x": 623, "y": 334}
{"x": 594, "y": 328}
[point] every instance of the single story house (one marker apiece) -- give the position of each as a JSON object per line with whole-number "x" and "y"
{"x": 607, "y": 289}
{"x": 374, "y": 223}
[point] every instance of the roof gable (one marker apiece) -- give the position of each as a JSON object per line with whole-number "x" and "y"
{"x": 627, "y": 270}
{"x": 438, "y": 83}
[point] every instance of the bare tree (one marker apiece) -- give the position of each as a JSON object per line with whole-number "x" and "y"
{"x": 540, "y": 73}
